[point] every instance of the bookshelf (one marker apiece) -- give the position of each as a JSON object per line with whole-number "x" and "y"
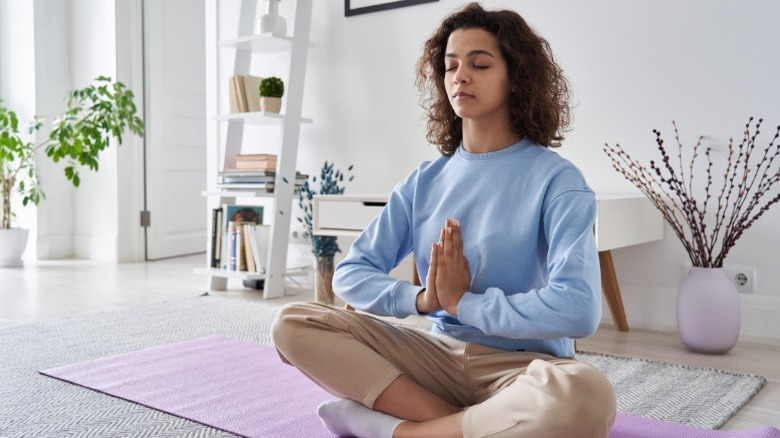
{"x": 223, "y": 148}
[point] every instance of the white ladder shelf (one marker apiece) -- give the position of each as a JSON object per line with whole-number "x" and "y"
{"x": 245, "y": 45}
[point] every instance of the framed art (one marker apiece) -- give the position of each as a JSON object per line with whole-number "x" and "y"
{"x": 357, "y": 7}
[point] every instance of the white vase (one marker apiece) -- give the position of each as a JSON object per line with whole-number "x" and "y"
{"x": 271, "y": 21}
{"x": 708, "y": 312}
{"x": 12, "y": 244}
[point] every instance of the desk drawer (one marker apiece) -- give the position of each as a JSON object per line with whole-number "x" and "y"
{"x": 341, "y": 213}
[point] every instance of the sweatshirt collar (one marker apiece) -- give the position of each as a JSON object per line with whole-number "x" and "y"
{"x": 492, "y": 155}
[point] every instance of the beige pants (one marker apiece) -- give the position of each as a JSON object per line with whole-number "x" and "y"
{"x": 508, "y": 393}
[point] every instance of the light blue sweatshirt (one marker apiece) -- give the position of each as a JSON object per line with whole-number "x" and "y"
{"x": 527, "y": 217}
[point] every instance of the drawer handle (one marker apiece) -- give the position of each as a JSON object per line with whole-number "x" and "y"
{"x": 374, "y": 203}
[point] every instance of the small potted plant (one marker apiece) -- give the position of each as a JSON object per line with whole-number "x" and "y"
{"x": 271, "y": 92}
{"x": 323, "y": 247}
{"x": 94, "y": 116}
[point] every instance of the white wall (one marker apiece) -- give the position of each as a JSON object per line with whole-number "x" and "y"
{"x": 17, "y": 85}
{"x": 93, "y": 43}
{"x": 52, "y": 83}
{"x": 634, "y": 67}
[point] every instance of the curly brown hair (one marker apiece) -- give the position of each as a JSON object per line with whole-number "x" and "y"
{"x": 539, "y": 100}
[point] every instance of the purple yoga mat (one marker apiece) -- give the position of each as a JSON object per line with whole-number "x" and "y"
{"x": 244, "y": 388}
{"x": 631, "y": 426}
{"x": 239, "y": 387}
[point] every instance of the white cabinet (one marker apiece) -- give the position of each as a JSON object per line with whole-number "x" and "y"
{"x": 247, "y": 45}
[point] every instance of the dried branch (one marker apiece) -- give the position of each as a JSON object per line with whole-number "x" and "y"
{"x": 740, "y": 203}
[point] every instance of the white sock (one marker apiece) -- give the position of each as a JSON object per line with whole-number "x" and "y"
{"x": 349, "y": 418}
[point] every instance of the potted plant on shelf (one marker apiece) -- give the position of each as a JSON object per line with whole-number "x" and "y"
{"x": 323, "y": 247}
{"x": 94, "y": 116}
{"x": 271, "y": 92}
{"x": 708, "y": 311}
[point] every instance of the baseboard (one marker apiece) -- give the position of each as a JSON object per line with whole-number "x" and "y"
{"x": 98, "y": 248}
{"x": 654, "y": 308}
{"x": 58, "y": 246}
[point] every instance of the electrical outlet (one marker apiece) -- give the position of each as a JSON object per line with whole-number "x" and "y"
{"x": 744, "y": 277}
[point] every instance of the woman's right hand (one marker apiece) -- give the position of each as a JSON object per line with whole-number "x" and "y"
{"x": 427, "y": 301}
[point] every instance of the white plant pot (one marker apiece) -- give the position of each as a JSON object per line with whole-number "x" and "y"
{"x": 12, "y": 244}
{"x": 271, "y": 21}
{"x": 271, "y": 104}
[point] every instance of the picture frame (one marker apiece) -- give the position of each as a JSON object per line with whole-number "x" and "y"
{"x": 358, "y": 7}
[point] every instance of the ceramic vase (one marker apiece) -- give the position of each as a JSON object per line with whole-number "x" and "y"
{"x": 271, "y": 104}
{"x": 12, "y": 244}
{"x": 323, "y": 283}
{"x": 271, "y": 21}
{"x": 708, "y": 311}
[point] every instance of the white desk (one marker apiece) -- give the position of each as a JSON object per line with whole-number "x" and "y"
{"x": 621, "y": 220}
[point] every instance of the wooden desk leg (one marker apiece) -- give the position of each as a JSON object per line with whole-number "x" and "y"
{"x": 612, "y": 290}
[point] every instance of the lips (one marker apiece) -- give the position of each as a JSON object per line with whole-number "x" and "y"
{"x": 462, "y": 94}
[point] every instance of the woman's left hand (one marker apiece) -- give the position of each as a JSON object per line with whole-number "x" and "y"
{"x": 453, "y": 277}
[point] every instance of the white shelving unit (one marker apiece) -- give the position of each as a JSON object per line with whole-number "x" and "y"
{"x": 245, "y": 45}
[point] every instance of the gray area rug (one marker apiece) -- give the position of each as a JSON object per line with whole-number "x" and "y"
{"x": 35, "y": 405}
{"x": 688, "y": 395}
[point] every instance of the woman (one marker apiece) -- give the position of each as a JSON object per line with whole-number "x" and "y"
{"x": 501, "y": 229}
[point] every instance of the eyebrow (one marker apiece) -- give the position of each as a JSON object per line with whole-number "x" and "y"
{"x": 471, "y": 53}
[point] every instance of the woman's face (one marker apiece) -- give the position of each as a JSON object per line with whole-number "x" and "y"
{"x": 476, "y": 78}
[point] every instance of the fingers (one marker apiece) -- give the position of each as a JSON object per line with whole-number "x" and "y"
{"x": 457, "y": 240}
{"x": 447, "y": 247}
{"x": 434, "y": 261}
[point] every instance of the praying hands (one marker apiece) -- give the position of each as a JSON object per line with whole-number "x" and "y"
{"x": 448, "y": 275}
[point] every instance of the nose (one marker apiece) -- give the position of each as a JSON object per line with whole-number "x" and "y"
{"x": 460, "y": 76}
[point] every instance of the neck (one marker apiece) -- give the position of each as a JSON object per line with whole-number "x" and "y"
{"x": 480, "y": 136}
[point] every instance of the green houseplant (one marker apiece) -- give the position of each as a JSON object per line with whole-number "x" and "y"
{"x": 708, "y": 217}
{"x": 323, "y": 247}
{"x": 94, "y": 115}
{"x": 271, "y": 92}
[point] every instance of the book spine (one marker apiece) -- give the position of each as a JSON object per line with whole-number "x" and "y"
{"x": 240, "y": 253}
{"x": 214, "y": 233}
{"x": 232, "y": 246}
{"x": 250, "y": 257}
{"x": 242, "y": 94}
{"x": 234, "y": 105}
{"x": 255, "y": 249}
{"x": 218, "y": 247}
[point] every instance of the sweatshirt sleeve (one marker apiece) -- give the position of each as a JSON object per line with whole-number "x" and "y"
{"x": 362, "y": 279}
{"x": 569, "y": 305}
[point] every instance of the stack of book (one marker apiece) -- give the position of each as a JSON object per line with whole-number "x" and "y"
{"x": 254, "y": 172}
{"x": 239, "y": 241}
{"x": 244, "y": 93}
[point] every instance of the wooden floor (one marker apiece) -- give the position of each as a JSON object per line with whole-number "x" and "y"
{"x": 53, "y": 289}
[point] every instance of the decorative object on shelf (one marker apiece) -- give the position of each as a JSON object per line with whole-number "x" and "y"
{"x": 271, "y": 92}
{"x": 94, "y": 116}
{"x": 323, "y": 247}
{"x": 271, "y": 21}
{"x": 745, "y": 195}
{"x": 243, "y": 93}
